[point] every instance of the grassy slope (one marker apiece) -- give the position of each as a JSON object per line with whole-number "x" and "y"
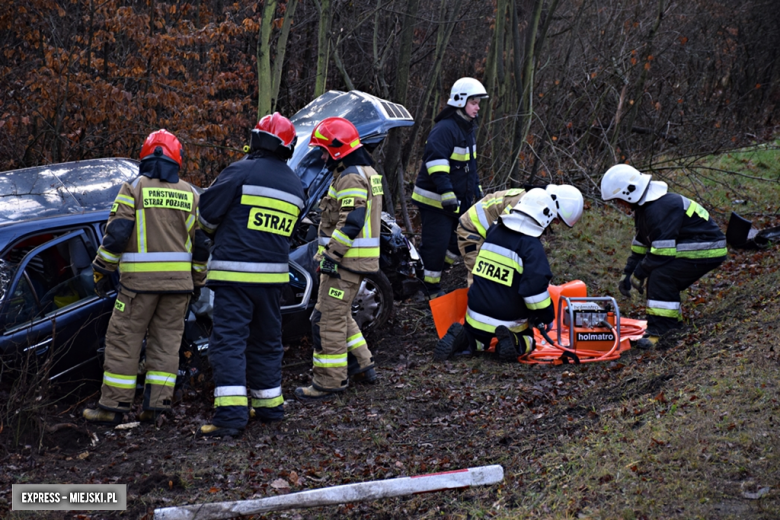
{"x": 687, "y": 431}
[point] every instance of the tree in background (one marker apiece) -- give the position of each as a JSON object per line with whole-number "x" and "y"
{"x": 574, "y": 86}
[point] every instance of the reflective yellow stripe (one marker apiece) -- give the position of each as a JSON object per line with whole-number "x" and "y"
{"x": 463, "y": 157}
{"x": 355, "y": 341}
{"x": 270, "y": 203}
{"x": 696, "y": 208}
{"x": 707, "y": 253}
{"x": 118, "y": 380}
{"x": 198, "y": 267}
{"x": 153, "y": 267}
{"x": 362, "y": 252}
{"x": 107, "y": 255}
{"x": 425, "y": 200}
{"x": 232, "y": 400}
{"x": 234, "y": 276}
{"x": 160, "y": 378}
{"x": 328, "y": 361}
{"x": 126, "y": 200}
{"x": 268, "y": 403}
{"x": 352, "y": 192}
{"x": 140, "y": 230}
{"x": 341, "y": 238}
{"x": 439, "y": 168}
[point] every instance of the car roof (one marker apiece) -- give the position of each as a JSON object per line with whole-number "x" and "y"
{"x": 62, "y": 189}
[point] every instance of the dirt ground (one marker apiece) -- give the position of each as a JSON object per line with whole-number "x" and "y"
{"x": 689, "y": 430}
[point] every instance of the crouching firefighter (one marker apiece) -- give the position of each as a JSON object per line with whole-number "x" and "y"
{"x": 152, "y": 237}
{"x": 348, "y": 250}
{"x": 511, "y": 277}
{"x": 474, "y": 224}
{"x": 676, "y": 244}
{"x": 251, "y": 210}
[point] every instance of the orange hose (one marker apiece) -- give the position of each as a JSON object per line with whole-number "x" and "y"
{"x": 552, "y": 354}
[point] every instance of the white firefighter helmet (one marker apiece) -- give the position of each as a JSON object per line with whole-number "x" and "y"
{"x": 463, "y": 89}
{"x": 624, "y": 182}
{"x": 532, "y": 214}
{"x": 568, "y": 200}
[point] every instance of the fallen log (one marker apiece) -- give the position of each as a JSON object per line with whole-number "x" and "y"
{"x": 359, "y": 492}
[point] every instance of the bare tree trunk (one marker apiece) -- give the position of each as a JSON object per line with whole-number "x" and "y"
{"x": 624, "y": 126}
{"x": 281, "y": 49}
{"x": 322, "y": 47}
{"x": 393, "y": 160}
{"x": 449, "y": 11}
{"x": 494, "y": 62}
{"x": 264, "y": 79}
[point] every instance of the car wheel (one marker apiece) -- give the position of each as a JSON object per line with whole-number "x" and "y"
{"x": 373, "y": 304}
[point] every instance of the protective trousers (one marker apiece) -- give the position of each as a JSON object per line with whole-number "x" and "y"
{"x": 437, "y": 243}
{"x": 336, "y": 336}
{"x": 246, "y": 347}
{"x": 469, "y": 243}
{"x": 664, "y": 284}
{"x": 162, "y": 315}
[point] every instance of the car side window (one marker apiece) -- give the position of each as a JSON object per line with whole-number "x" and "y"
{"x": 54, "y": 278}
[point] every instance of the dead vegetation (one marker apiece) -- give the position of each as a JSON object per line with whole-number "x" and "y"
{"x": 687, "y": 431}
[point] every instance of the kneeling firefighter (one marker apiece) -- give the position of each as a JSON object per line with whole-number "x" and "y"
{"x": 474, "y": 224}
{"x": 511, "y": 277}
{"x": 152, "y": 237}
{"x": 251, "y": 211}
{"x": 676, "y": 243}
{"x": 348, "y": 250}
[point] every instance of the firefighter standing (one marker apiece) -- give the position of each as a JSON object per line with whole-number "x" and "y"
{"x": 474, "y": 223}
{"x": 511, "y": 277}
{"x": 676, "y": 244}
{"x": 153, "y": 238}
{"x": 447, "y": 183}
{"x": 251, "y": 210}
{"x": 348, "y": 249}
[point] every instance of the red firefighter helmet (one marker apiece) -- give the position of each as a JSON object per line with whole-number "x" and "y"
{"x": 169, "y": 146}
{"x": 337, "y": 135}
{"x": 279, "y": 127}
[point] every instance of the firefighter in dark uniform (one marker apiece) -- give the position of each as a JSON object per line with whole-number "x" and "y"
{"x": 448, "y": 184}
{"x": 152, "y": 237}
{"x": 251, "y": 211}
{"x": 348, "y": 249}
{"x": 510, "y": 289}
{"x": 676, "y": 244}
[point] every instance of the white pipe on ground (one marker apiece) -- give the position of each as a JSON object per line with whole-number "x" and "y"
{"x": 360, "y": 492}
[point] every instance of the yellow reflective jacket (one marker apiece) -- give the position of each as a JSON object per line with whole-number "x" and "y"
{"x": 486, "y": 211}
{"x": 351, "y": 219}
{"x": 150, "y": 237}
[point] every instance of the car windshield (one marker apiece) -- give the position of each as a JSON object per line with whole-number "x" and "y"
{"x": 75, "y": 187}
{"x": 372, "y": 117}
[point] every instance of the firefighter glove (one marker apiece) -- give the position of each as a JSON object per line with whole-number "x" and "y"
{"x": 638, "y": 283}
{"x": 196, "y": 294}
{"x": 329, "y": 267}
{"x": 625, "y": 286}
{"x": 101, "y": 283}
{"x": 449, "y": 202}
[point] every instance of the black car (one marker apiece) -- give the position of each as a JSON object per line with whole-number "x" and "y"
{"x": 52, "y": 220}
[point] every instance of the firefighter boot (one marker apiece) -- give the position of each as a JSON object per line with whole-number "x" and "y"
{"x": 212, "y": 430}
{"x": 506, "y": 348}
{"x": 454, "y": 341}
{"x": 100, "y": 416}
{"x": 309, "y": 394}
{"x": 646, "y": 342}
{"x": 366, "y": 376}
{"x": 149, "y": 416}
{"x": 510, "y": 345}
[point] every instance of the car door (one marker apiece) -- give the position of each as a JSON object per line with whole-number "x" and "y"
{"x": 52, "y": 309}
